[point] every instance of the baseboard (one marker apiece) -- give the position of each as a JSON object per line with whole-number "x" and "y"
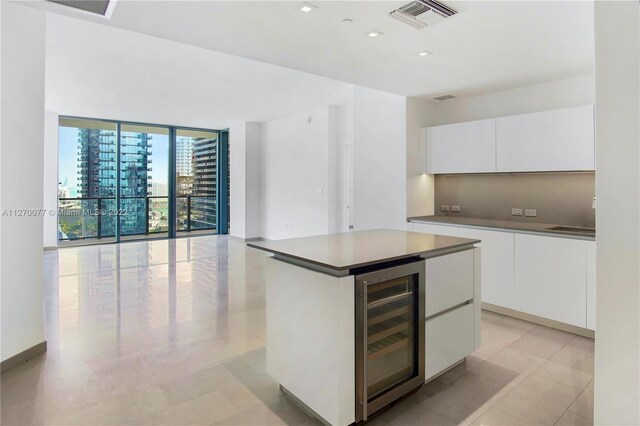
{"x": 23, "y": 356}
{"x": 585, "y": 332}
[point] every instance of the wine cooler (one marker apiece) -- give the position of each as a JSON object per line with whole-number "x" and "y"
{"x": 390, "y": 322}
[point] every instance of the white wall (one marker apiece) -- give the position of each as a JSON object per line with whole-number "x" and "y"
{"x": 246, "y": 171}
{"x": 617, "y": 354}
{"x": 21, "y": 155}
{"x": 380, "y": 177}
{"x": 420, "y": 186}
{"x": 295, "y": 181}
{"x": 540, "y": 97}
{"x": 50, "y": 171}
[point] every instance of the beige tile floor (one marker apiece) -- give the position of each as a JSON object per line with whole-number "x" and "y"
{"x": 173, "y": 332}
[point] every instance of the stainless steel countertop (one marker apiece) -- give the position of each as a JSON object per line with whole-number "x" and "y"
{"x": 340, "y": 252}
{"x": 511, "y": 225}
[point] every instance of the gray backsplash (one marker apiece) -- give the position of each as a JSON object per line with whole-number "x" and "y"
{"x": 560, "y": 198}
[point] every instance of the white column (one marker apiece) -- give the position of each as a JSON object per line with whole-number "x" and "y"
{"x": 22, "y": 38}
{"x": 245, "y": 169}
{"x": 50, "y": 181}
{"x": 380, "y": 172}
{"x": 617, "y": 354}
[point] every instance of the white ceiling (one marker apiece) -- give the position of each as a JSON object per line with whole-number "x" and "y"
{"x": 103, "y": 72}
{"x": 487, "y": 46}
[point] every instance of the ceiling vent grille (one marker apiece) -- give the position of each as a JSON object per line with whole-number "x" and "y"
{"x": 423, "y": 13}
{"x": 95, "y": 7}
{"x": 444, "y": 97}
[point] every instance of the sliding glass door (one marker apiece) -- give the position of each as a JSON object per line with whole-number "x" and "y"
{"x": 87, "y": 179}
{"x": 122, "y": 181}
{"x": 197, "y": 177}
{"x": 144, "y": 180}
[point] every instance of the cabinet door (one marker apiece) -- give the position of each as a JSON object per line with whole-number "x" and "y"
{"x": 461, "y": 148}
{"x": 428, "y": 228}
{"x": 449, "y": 281}
{"x": 591, "y": 285}
{"x": 497, "y": 265}
{"x": 546, "y": 141}
{"x": 551, "y": 278}
{"x": 448, "y": 339}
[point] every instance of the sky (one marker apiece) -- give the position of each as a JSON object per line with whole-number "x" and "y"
{"x": 68, "y": 158}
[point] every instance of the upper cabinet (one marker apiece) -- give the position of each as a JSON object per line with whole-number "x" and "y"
{"x": 461, "y": 148}
{"x": 558, "y": 140}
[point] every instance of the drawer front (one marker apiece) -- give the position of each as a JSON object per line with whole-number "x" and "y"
{"x": 449, "y": 281}
{"x": 448, "y": 339}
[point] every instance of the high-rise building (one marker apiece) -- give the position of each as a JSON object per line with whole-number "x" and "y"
{"x": 205, "y": 158}
{"x": 97, "y": 169}
{"x": 184, "y": 148}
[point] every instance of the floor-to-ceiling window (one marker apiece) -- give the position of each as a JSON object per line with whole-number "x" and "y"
{"x": 144, "y": 180}
{"x": 197, "y": 177}
{"x": 122, "y": 181}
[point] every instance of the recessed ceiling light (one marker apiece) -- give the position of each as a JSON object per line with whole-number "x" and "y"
{"x": 374, "y": 33}
{"x": 306, "y": 7}
{"x": 424, "y": 53}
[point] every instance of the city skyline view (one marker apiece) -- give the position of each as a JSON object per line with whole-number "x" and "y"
{"x": 89, "y": 169}
{"x": 68, "y": 161}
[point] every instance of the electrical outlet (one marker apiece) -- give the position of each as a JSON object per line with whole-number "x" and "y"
{"x": 516, "y": 212}
{"x": 531, "y": 212}
{"x": 455, "y": 209}
{"x": 444, "y": 208}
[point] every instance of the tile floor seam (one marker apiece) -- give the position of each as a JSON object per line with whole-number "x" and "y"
{"x": 511, "y": 385}
{"x": 579, "y": 395}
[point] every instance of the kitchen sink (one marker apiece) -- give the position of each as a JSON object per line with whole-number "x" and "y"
{"x": 574, "y": 229}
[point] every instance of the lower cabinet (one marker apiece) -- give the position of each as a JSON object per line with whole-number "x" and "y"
{"x": 425, "y": 228}
{"x": 497, "y": 265}
{"x": 449, "y": 338}
{"x": 448, "y": 281}
{"x": 550, "y": 278}
{"x": 453, "y": 321}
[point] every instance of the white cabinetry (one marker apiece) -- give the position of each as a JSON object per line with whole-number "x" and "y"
{"x": 425, "y": 228}
{"x": 449, "y": 338}
{"x": 497, "y": 265}
{"x": 453, "y": 323}
{"x": 546, "y": 141}
{"x": 449, "y": 281}
{"x": 591, "y": 285}
{"x": 461, "y": 148}
{"x": 551, "y": 277}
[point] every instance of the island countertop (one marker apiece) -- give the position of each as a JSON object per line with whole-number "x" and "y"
{"x": 349, "y": 250}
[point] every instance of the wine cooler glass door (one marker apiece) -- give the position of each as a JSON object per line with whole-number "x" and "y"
{"x": 390, "y": 335}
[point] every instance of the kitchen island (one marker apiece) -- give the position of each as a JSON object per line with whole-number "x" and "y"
{"x": 356, "y": 320}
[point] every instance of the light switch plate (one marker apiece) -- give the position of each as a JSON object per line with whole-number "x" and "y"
{"x": 455, "y": 209}
{"x": 531, "y": 212}
{"x": 516, "y": 212}
{"x": 444, "y": 208}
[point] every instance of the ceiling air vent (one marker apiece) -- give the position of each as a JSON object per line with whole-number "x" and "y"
{"x": 444, "y": 97}
{"x": 102, "y": 8}
{"x": 422, "y": 13}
